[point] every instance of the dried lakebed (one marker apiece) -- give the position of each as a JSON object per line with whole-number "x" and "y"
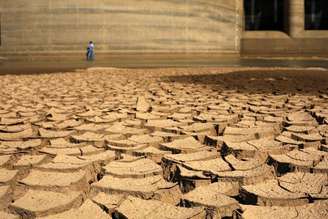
{"x": 164, "y": 143}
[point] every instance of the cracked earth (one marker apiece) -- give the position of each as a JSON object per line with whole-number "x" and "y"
{"x": 164, "y": 143}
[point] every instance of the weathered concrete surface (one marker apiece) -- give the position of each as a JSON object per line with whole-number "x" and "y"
{"x": 120, "y": 26}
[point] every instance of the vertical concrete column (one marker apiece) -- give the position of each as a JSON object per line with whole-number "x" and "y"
{"x": 239, "y": 24}
{"x": 296, "y": 18}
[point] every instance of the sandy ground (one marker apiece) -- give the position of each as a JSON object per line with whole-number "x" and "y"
{"x": 42, "y": 64}
{"x": 165, "y": 143}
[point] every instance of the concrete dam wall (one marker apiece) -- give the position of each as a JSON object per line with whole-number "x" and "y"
{"x": 47, "y": 26}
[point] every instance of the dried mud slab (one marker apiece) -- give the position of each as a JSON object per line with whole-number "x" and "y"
{"x": 269, "y": 145}
{"x": 246, "y": 177}
{"x": 188, "y": 179}
{"x": 160, "y": 125}
{"x": 152, "y": 153}
{"x": 11, "y": 121}
{"x": 313, "y": 184}
{"x": 63, "y": 143}
{"x": 170, "y": 162}
{"x": 46, "y": 133}
{"x": 312, "y": 138}
{"x": 117, "y": 116}
{"x": 146, "y": 139}
{"x": 5, "y": 159}
{"x": 70, "y": 164}
{"x": 5, "y": 215}
{"x": 300, "y": 118}
{"x": 122, "y": 147}
{"x": 88, "y": 137}
{"x": 300, "y": 129}
{"x": 147, "y": 116}
{"x": 135, "y": 169}
{"x": 52, "y": 115}
{"x": 211, "y": 166}
{"x": 30, "y": 160}
{"x": 167, "y": 136}
{"x": 5, "y": 196}
{"x": 196, "y": 156}
{"x": 62, "y": 160}
{"x": 99, "y": 158}
{"x": 109, "y": 202}
{"x": 90, "y": 113}
{"x": 122, "y": 143}
{"x": 86, "y": 211}
{"x": 137, "y": 208}
{"x": 246, "y": 164}
{"x": 215, "y": 202}
{"x": 91, "y": 127}
{"x": 14, "y": 128}
{"x": 141, "y": 187}
{"x": 27, "y": 133}
{"x": 186, "y": 145}
{"x": 251, "y": 133}
{"x": 300, "y": 160}
{"x": 287, "y": 140}
{"x": 316, "y": 210}
{"x": 270, "y": 193}
{"x": 37, "y": 203}
{"x": 76, "y": 151}
{"x": 239, "y": 149}
{"x": 322, "y": 166}
{"x": 56, "y": 181}
{"x": 199, "y": 129}
{"x": 120, "y": 128}
{"x": 227, "y": 188}
{"x": 68, "y": 124}
{"x": 272, "y": 212}
{"x": 13, "y": 146}
{"x": 8, "y": 176}
{"x": 142, "y": 104}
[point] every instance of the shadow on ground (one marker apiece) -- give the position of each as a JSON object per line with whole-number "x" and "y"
{"x": 305, "y": 82}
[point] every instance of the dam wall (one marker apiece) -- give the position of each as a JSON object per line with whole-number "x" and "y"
{"x": 129, "y": 26}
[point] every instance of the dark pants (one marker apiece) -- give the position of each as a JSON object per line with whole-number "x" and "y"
{"x": 90, "y": 55}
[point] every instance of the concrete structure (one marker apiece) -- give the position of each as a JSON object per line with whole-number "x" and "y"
{"x": 293, "y": 40}
{"x": 149, "y": 26}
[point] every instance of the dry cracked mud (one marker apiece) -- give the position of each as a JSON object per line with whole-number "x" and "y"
{"x": 164, "y": 143}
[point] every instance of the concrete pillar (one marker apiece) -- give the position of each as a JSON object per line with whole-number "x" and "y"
{"x": 296, "y": 18}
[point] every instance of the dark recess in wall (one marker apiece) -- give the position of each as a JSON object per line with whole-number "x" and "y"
{"x": 264, "y": 15}
{"x": 316, "y": 15}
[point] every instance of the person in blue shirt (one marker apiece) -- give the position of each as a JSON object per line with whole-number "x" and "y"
{"x": 90, "y": 51}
